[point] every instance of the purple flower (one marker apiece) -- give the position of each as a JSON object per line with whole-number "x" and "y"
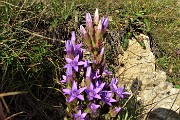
{"x": 69, "y": 73}
{"x": 64, "y": 79}
{"x": 106, "y": 73}
{"x": 93, "y": 92}
{"x": 99, "y": 84}
{"x": 117, "y": 109}
{"x": 69, "y": 47}
{"x": 88, "y": 73}
{"x": 79, "y": 115}
{"x": 73, "y": 38}
{"x": 105, "y": 22}
{"x": 89, "y": 20}
{"x": 119, "y": 91}
{"x": 82, "y": 30}
{"x": 74, "y": 92}
{"x": 73, "y": 63}
{"x": 106, "y": 97}
{"x": 97, "y": 74}
{"x": 94, "y": 107}
{"x": 114, "y": 81}
{"x": 86, "y": 63}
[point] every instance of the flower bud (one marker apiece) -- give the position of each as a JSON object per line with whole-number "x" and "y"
{"x": 88, "y": 75}
{"x": 88, "y": 21}
{"x": 86, "y": 38}
{"x": 73, "y": 38}
{"x": 96, "y": 17}
{"x": 105, "y": 22}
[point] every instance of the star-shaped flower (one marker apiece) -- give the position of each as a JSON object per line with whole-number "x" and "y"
{"x": 74, "y": 92}
{"x": 93, "y": 92}
{"x": 80, "y": 115}
{"x": 106, "y": 97}
{"x": 119, "y": 91}
{"x": 94, "y": 107}
{"x": 73, "y": 63}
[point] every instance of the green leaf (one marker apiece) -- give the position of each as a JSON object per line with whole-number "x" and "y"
{"x": 147, "y": 23}
{"x": 177, "y": 86}
{"x": 125, "y": 42}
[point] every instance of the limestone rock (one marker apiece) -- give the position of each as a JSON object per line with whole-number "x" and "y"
{"x": 162, "y": 101}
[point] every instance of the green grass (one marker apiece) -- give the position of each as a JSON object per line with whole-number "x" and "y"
{"x": 32, "y": 45}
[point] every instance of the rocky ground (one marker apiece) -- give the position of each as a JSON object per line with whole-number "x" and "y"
{"x": 160, "y": 100}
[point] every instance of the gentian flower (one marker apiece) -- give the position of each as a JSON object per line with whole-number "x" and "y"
{"x": 105, "y": 22}
{"x": 79, "y": 115}
{"x": 113, "y": 81}
{"x": 73, "y": 38}
{"x": 86, "y": 63}
{"x": 106, "y": 97}
{"x": 93, "y": 107}
{"x": 69, "y": 48}
{"x": 93, "y": 92}
{"x": 119, "y": 91}
{"x": 115, "y": 111}
{"x": 97, "y": 74}
{"x": 64, "y": 79}
{"x": 106, "y": 73}
{"x": 89, "y": 24}
{"x": 69, "y": 73}
{"x": 74, "y": 92}
{"x": 86, "y": 37}
{"x": 73, "y": 63}
{"x": 99, "y": 84}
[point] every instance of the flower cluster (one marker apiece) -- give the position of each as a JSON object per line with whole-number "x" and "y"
{"x": 86, "y": 90}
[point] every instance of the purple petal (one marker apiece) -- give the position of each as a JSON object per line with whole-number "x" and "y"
{"x": 88, "y": 72}
{"x": 74, "y": 86}
{"x": 66, "y": 66}
{"x": 76, "y": 68}
{"x": 76, "y": 58}
{"x": 97, "y": 96}
{"x": 109, "y": 103}
{"x": 114, "y": 86}
{"x": 108, "y": 94}
{"x": 80, "y": 97}
{"x": 117, "y": 109}
{"x": 112, "y": 100}
{"x": 102, "y": 86}
{"x": 83, "y": 115}
{"x": 102, "y": 51}
{"x": 79, "y": 113}
{"x": 82, "y": 30}
{"x": 97, "y": 90}
{"x": 81, "y": 63}
{"x": 88, "y": 20}
{"x": 68, "y": 60}
{"x": 91, "y": 86}
{"x": 69, "y": 71}
{"x": 71, "y": 98}
{"x": 105, "y": 23}
{"x": 90, "y": 97}
{"x": 69, "y": 47}
{"x": 67, "y": 91}
{"x": 126, "y": 93}
{"x": 73, "y": 37}
{"x": 82, "y": 89}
